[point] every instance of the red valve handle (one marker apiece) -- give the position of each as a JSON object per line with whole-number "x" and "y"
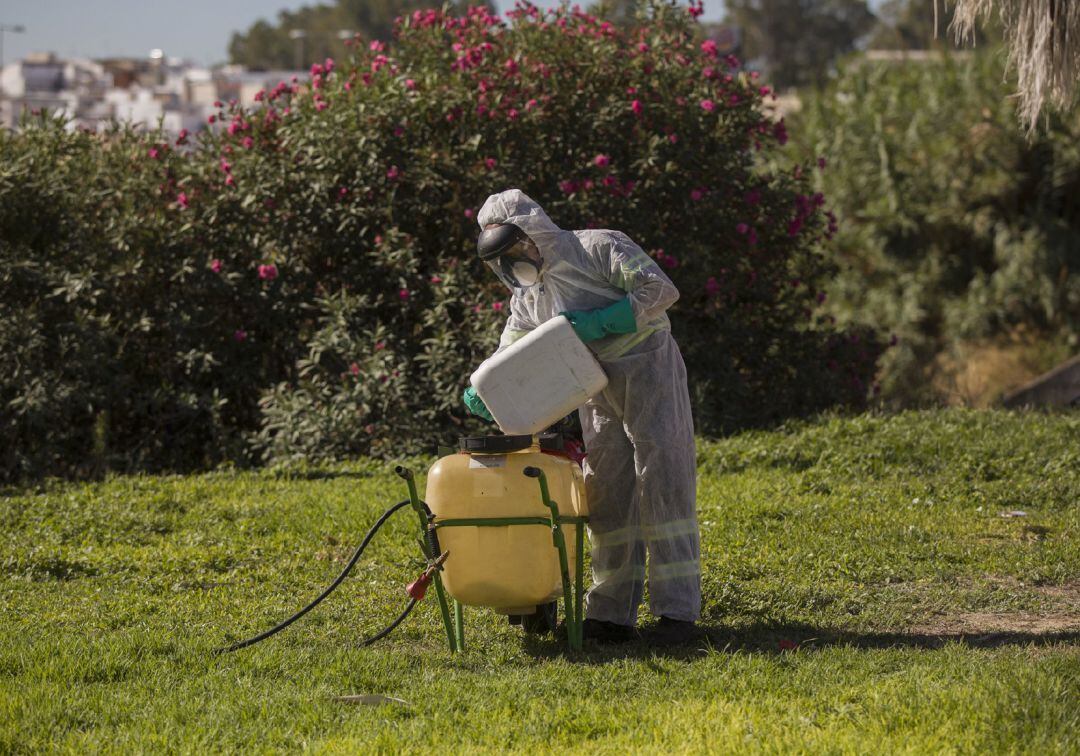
{"x": 417, "y": 588}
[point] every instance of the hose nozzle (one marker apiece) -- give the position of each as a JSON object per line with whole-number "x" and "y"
{"x": 417, "y": 588}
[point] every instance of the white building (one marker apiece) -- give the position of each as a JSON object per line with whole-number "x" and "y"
{"x": 73, "y": 87}
{"x": 145, "y": 92}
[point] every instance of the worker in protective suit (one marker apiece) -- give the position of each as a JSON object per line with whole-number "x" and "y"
{"x": 639, "y": 433}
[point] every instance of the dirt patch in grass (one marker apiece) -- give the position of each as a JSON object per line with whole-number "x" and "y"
{"x": 1063, "y": 616}
{"x": 979, "y": 623}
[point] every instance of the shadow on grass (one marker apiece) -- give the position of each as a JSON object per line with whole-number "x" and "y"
{"x": 310, "y": 475}
{"x": 763, "y": 638}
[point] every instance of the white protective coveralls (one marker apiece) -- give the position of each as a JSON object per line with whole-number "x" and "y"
{"x": 640, "y": 473}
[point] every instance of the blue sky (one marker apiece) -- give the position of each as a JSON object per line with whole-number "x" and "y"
{"x": 196, "y": 29}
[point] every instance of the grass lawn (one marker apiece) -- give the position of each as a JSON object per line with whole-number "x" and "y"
{"x": 925, "y": 620}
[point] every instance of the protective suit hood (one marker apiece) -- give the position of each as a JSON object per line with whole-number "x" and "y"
{"x": 516, "y": 207}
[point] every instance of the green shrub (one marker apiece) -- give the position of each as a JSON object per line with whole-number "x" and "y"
{"x": 317, "y": 250}
{"x": 953, "y": 227}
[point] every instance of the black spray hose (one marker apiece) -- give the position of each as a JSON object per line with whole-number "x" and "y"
{"x": 352, "y": 562}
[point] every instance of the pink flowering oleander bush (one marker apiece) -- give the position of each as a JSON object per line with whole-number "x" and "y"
{"x": 299, "y": 279}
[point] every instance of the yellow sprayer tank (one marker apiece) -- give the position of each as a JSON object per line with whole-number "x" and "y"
{"x": 509, "y": 568}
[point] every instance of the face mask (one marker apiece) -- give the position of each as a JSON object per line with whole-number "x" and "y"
{"x": 519, "y": 267}
{"x": 526, "y": 273}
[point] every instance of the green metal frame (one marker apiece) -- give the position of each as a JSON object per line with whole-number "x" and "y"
{"x": 573, "y": 595}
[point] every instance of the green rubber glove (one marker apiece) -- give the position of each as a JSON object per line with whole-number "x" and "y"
{"x": 476, "y": 405}
{"x": 591, "y": 325}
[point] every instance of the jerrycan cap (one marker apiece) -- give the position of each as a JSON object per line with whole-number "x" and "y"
{"x": 494, "y": 444}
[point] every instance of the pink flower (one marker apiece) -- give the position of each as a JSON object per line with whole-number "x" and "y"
{"x": 708, "y": 106}
{"x": 568, "y": 186}
{"x": 468, "y": 212}
{"x": 436, "y": 279}
{"x": 230, "y": 181}
{"x": 403, "y": 294}
{"x": 354, "y": 369}
{"x": 642, "y": 47}
{"x": 490, "y": 163}
{"x": 268, "y": 272}
{"x": 497, "y": 306}
{"x": 393, "y": 173}
{"x": 321, "y": 105}
{"x": 377, "y": 46}
{"x": 530, "y": 105}
{"x": 153, "y": 153}
{"x": 602, "y": 161}
{"x": 712, "y": 287}
{"x": 673, "y": 138}
{"x": 316, "y": 69}
{"x": 636, "y": 107}
{"x": 211, "y": 119}
{"x": 182, "y": 200}
{"x": 512, "y": 114}
{"x": 343, "y": 191}
{"x": 696, "y": 194}
{"x": 410, "y": 84}
{"x": 181, "y": 138}
{"x": 709, "y": 48}
{"x": 328, "y": 65}
{"x": 216, "y": 265}
{"x": 225, "y": 165}
{"x": 780, "y": 132}
{"x": 239, "y": 334}
{"x": 742, "y": 228}
{"x": 248, "y": 143}
{"x": 380, "y": 345}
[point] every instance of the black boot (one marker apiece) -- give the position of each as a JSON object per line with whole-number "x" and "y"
{"x": 603, "y": 632}
{"x": 670, "y": 632}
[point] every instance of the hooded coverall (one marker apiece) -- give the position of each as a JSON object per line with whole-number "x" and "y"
{"x": 640, "y": 472}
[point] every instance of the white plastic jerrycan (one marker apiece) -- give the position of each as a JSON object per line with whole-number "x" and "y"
{"x": 539, "y": 379}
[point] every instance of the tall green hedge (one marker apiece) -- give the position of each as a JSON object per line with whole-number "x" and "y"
{"x": 953, "y": 226}
{"x": 299, "y": 280}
